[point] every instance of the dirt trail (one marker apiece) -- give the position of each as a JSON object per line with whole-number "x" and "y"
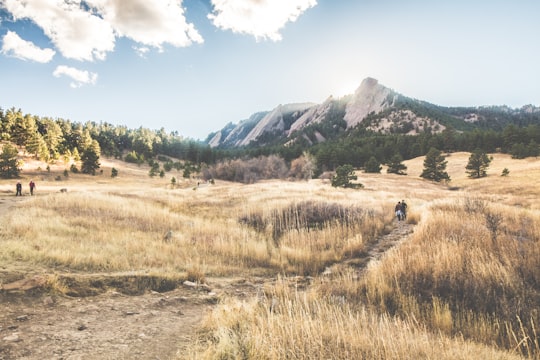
{"x": 113, "y": 325}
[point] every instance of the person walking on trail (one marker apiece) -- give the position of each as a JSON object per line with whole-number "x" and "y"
{"x": 398, "y": 210}
{"x": 19, "y": 189}
{"x": 403, "y": 210}
{"x": 32, "y": 187}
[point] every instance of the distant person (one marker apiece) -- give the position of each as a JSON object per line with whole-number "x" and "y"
{"x": 403, "y": 209}
{"x": 398, "y": 210}
{"x": 32, "y": 187}
{"x": 19, "y": 189}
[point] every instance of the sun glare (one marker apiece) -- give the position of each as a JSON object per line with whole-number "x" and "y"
{"x": 345, "y": 88}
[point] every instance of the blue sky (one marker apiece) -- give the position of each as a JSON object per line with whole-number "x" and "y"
{"x": 193, "y": 66}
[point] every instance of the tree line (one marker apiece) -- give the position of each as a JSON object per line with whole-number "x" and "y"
{"x": 50, "y": 139}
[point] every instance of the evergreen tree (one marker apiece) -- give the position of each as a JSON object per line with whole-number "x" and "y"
{"x": 373, "y": 166}
{"x": 478, "y": 164}
{"x": 505, "y": 172}
{"x": 76, "y": 155}
{"x": 37, "y": 147}
{"x": 395, "y": 166}
{"x": 344, "y": 175}
{"x": 154, "y": 168}
{"x": 435, "y": 166}
{"x": 10, "y": 166}
{"x": 90, "y": 159}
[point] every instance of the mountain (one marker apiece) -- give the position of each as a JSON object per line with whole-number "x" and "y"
{"x": 373, "y": 107}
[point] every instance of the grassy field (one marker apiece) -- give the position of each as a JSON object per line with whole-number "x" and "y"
{"x": 464, "y": 285}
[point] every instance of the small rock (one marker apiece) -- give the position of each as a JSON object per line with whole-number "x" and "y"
{"x": 22, "y": 318}
{"x": 82, "y": 327}
{"x": 12, "y": 338}
{"x": 189, "y": 283}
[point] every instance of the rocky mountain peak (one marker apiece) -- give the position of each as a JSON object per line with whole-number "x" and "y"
{"x": 369, "y": 97}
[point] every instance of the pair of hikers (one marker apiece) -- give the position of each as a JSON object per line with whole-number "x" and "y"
{"x": 32, "y": 186}
{"x": 401, "y": 210}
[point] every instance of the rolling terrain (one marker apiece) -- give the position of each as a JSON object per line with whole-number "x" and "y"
{"x": 136, "y": 267}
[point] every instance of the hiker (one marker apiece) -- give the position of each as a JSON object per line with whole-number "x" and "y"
{"x": 32, "y": 187}
{"x": 403, "y": 210}
{"x": 19, "y": 189}
{"x": 399, "y": 211}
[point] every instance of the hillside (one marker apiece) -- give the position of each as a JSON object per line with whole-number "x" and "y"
{"x": 101, "y": 269}
{"x": 373, "y": 107}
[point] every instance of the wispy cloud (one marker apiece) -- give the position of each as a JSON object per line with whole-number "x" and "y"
{"x": 261, "y": 18}
{"x": 13, "y": 45}
{"x": 79, "y": 77}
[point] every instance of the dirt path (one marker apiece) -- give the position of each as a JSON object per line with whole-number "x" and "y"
{"x": 112, "y": 325}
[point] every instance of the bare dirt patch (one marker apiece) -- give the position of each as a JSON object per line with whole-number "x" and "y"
{"x": 110, "y": 325}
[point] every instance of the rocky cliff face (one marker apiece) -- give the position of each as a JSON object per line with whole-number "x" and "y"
{"x": 369, "y": 97}
{"x": 285, "y": 120}
{"x": 275, "y": 121}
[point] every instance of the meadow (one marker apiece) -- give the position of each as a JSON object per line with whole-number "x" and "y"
{"x": 464, "y": 285}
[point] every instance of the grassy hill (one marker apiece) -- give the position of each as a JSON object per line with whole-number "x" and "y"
{"x": 465, "y": 284}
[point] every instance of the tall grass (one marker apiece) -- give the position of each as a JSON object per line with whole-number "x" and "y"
{"x": 463, "y": 285}
{"x": 183, "y": 230}
{"x": 301, "y": 325}
{"x": 455, "y": 277}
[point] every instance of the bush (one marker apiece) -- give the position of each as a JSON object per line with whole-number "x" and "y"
{"x": 304, "y": 215}
{"x": 249, "y": 171}
{"x": 133, "y": 157}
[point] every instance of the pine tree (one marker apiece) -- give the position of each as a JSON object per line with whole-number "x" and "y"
{"x": 395, "y": 166}
{"x": 10, "y": 166}
{"x": 344, "y": 175}
{"x": 90, "y": 159}
{"x": 435, "y": 166}
{"x": 478, "y": 164}
{"x": 373, "y": 165}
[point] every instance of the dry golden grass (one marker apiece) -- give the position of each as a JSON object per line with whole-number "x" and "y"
{"x": 455, "y": 280}
{"x": 302, "y": 325}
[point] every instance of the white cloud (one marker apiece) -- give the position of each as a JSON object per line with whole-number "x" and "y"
{"x": 151, "y": 23}
{"x": 79, "y": 77}
{"x": 14, "y": 46}
{"x": 87, "y": 30}
{"x": 77, "y": 33}
{"x": 260, "y": 18}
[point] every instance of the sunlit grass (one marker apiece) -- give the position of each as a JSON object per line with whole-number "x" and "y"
{"x": 458, "y": 278}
